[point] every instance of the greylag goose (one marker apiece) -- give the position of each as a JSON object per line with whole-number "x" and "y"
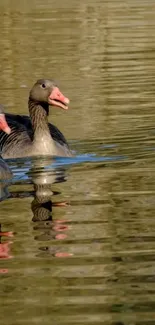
{"x": 34, "y": 136}
{"x": 5, "y": 172}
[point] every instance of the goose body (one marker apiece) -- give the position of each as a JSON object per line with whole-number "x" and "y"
{"x": 33, "y": 136}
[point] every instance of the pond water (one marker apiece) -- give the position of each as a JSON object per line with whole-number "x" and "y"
{"x": 78, "y": 234}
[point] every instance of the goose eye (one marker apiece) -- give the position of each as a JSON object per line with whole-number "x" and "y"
{"x": 43, "y": 86}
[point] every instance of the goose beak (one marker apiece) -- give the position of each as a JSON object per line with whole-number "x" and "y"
{"x": 56, "y": 98}
{"x": 4, "y": 125}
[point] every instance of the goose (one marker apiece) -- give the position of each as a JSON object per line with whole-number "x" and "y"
{"x": 34, "y": 136}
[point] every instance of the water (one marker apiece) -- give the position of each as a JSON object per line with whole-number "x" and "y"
{"x": 78, "y": 234}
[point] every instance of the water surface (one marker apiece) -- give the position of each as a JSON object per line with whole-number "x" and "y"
{"x": 78, "y": 234}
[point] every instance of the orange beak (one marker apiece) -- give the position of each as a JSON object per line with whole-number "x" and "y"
{"x": 56, "y": 98}
{"x": 4, "y": 125}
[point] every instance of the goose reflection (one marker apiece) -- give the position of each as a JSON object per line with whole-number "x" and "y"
{"x": 42, "y": 176}
{"x": 5, "y": 247}
{"x": 42, "y": 206}
{"x": 42, "y": 182}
